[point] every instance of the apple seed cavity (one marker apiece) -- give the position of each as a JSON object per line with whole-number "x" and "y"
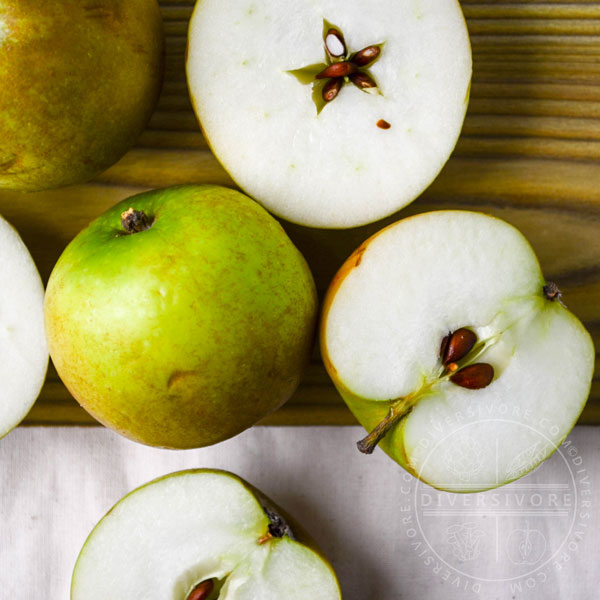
{"x": 202, "y": 590}
{"x": 341, "y": 67}
{"x": 135, "y": 221}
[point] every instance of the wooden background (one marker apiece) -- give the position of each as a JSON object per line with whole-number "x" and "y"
{"x": 529, "y": 153}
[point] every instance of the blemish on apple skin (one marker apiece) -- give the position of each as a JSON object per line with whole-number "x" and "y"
{"x": 359, "y": 254}
{"x": 178, "y": 376}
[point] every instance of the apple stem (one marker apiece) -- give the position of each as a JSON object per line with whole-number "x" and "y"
{"x": 135, "y": 221}
{"x": 368, "y": 444}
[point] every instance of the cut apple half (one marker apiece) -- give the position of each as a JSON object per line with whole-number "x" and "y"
{"x": 451, "y": 349}
{"x": 334, "y": 113}
{"x": 23, "y": 348}
{"x": 199, "y": 535}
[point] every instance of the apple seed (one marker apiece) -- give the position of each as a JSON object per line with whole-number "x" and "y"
{"x": 474, "y": 377}
{"x": 383, "y": 124}
{"x": 340, "y": 69}
{"x": 332, "y": 89}
{"x": 457, "y": 345}
{"x": 366, "y": 56}
{"x": 362, "y": 80}
{"x": 334, "y": 43}
{"x": 202, "y": 590}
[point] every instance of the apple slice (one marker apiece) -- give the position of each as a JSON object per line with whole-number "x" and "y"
{"x": 335, "y": 113}
{"x": 448, "y": 345}
{"x": 199, "y": 535}
{"x": 23, "y": 349}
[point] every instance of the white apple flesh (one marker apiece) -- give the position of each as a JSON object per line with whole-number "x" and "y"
{"x": 338, "y": 168}
{"x": 394, "y": 301}
{"x": 170, "y": 536}
{"x": 23, "y": 349}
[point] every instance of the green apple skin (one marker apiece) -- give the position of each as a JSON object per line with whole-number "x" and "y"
{"x": 78, "y": 83}
{"x": 187, "y": 333}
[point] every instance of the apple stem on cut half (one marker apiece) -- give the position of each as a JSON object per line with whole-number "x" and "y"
{"x": 398, "y": 410}
{"x": 134, "y": 221}
{"x": 459, "y": 345}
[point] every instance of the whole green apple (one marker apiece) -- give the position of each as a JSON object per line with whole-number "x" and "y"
{"x": 78, "y": 83}
{"x": 181, "y": 317}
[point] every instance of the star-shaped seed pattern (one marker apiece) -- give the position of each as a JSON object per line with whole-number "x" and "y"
{"x": 341, "y": 66}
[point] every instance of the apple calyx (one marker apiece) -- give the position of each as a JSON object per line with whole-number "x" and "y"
{"x": 553, "y": 293}
{"x": 341, "y": 66}
{"x": 458, "y": 346}
{"x": 135, "y": 221}
{"x": 202, "y": 590}
{"x": 277, "y": 527}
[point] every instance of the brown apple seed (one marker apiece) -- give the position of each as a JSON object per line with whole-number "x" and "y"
{"x": 202, "y": 590}
{"x": 459, "y": 344}
{"x": 474, "y": 377}
{"x": 366, "y": 56}
{"x": 340, "y": 69}
{"x": 362, "y": 80}
{"x": 332, "y": 89}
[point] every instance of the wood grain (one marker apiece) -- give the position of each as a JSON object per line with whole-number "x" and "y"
{"x": 529, "y": 153}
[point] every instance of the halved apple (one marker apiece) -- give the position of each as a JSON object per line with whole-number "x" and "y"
{"x": 334, "y": 113}
{"x": 23, "y": 348}
{"x": 199, "y": 535}
{"x": 446, "y": 342}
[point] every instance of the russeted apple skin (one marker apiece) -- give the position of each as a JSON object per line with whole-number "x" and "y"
{"x": 370, "y": 412}
{"x": 78, "y": 83}
{"x": 188, "y": 333}
{"x": 300, "y": 534}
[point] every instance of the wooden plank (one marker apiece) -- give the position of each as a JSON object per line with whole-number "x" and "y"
{"x": 529, "y": 153}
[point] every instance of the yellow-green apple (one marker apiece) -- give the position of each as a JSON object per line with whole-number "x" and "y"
{"x": 23, "y": 349}
{"x": 181, "y": 316}
{"x": 449, "y": 346}
{"x": 199, "y": 535}
{"x": 333, "y": 113}
{"x": 78, "y": 83}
